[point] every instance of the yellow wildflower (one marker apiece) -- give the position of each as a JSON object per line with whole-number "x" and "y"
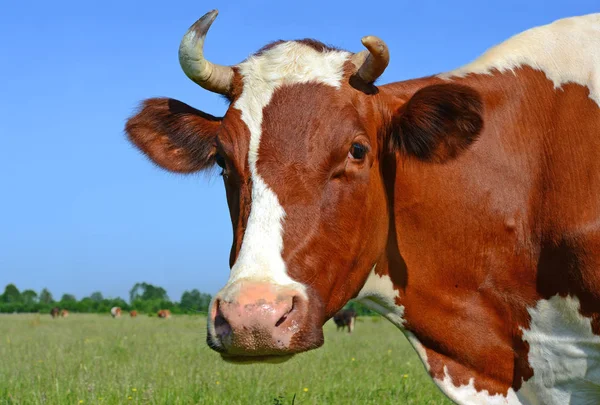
{"x": 129, "y": 398}
{"x": 218, "y": 383}
{"x": 305, "y": 389}
{"x": 81, "y": 401}
{"x": 405, "y": 375}
{"x": 134, "y": 389}
{"x": 353, "y": 359}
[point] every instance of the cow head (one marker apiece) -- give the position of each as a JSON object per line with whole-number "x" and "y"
{"x": 302, "y": 150}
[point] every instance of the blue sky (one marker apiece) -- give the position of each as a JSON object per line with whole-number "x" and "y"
{"x": 81, "y": 210}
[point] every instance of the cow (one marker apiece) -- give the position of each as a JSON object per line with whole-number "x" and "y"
{"x": 54, "y": 312}
{"x": 463, "y": 206}
{"x": 115, "y": 312}
{"x": 133, "y": 313}
{"x": 164, "y": 313}
{"x": 64, "y": 313}
{"x": 345, "y": 318}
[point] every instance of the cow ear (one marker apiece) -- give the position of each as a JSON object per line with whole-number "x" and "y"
{"x": 438, "y": 122}
{"x": 174, "y": 135}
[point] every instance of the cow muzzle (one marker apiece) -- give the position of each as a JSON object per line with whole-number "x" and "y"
{"x": 252, "y": 321}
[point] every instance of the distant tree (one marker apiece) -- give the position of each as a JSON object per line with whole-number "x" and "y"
{"x": 96, "y": 296}
{"x": 68, "y": 301}
{"x": 194, "y": 301}
{"x": 147, "y": 292}
{"x": 11, "y": 294}
{"x": 68, "y": 298}
{"x": 29, "y": 297}
{"x": 46, "y": 297}
{"x": 87, "y": 305}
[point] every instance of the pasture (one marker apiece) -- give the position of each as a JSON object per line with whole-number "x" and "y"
{"x": 94, "y": 359}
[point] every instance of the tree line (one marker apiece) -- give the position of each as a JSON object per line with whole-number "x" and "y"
{"x": 143, "y": 297}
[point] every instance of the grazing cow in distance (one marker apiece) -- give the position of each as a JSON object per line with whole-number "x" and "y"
{"x": 164, "y": 313}
{"x": 64, "y": 313}
{"x": 54, "y": 312}
{"x": 133, "y": 313}
{"x": 115, "y": 312}
{"x": 345, "y": 317}
{"x": 463, "y": 206}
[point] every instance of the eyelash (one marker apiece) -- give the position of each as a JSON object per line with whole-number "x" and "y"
{"x": 221, "y": 163}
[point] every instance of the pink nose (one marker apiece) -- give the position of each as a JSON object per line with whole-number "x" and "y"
{"x": 259, "y": 320}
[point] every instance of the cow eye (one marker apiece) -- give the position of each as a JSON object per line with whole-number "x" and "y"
{"x": 357, "y": 151}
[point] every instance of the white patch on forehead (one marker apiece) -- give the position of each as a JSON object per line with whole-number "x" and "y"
{"x": 284, "y": 64}
{"x": 564, "y": 354}
{"x": 567, "y": 50}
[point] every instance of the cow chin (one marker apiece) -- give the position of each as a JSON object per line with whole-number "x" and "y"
{"x": 256, "y": 359}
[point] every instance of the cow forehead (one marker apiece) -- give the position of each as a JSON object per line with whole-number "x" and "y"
{"x": 286, "y": 63}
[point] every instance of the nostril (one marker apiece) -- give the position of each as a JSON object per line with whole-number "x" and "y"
{"x": 222, "y": 327}
{"x": 287, "y": 313}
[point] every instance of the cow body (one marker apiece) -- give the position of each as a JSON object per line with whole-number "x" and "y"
{"x": 133, "y": 313}
{"x": 164, "y": 313}
{"x": 463, "y": 207}
{"x": 54, "y": 312}
{"x": 64, "y": 313}
{"x": 345, "y": 318}
{"x": 115, "y": 312}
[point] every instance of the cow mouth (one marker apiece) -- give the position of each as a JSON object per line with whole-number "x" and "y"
{"x": 270, "y": 359}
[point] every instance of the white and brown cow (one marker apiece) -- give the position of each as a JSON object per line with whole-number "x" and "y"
{"x": 465, "y": 207}
{"x": 115, "y": 312}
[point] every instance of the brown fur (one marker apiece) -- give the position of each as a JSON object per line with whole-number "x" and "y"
{"x": 485, "y": 203}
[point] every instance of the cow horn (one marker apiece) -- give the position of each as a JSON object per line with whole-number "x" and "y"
{"x": 212, "y": 77}
{"x": 370, "y": 64}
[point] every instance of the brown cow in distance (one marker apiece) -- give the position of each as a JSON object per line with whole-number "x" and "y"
{"x": 64, "y": 313}
{"x": 54, "y": 312}
{"x": 133, "y": 313}
{"x": 164, "y": 313}
{"x": 463, "y": 206}
{"x": 345, "y": 318}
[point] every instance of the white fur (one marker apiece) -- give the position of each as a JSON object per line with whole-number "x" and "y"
{"x": 567, "y": 50}
{"x": 287, "y": 63}
{"x": 564, "y": 354}
{"x": 468, "y": 395}
{"x": 379, "y": 294}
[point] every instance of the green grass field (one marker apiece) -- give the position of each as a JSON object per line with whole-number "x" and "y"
{"x": 94, "y": 359}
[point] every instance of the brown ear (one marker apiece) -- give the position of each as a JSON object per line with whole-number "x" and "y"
{"x": 174, "y": 135}
{"x": 438, "y": 122}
